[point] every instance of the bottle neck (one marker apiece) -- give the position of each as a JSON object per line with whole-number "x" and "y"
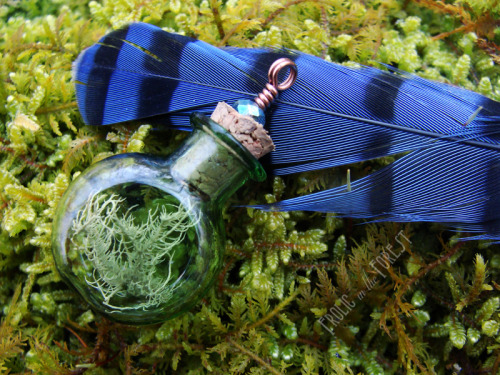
{"x": 212, "y": 162}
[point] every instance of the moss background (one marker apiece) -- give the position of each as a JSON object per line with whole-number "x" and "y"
{"x": 434, "y": 309}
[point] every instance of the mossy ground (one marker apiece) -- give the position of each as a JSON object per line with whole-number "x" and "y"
{"x": 434, "y": 309}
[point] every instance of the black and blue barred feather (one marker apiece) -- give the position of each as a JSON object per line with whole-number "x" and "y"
{"x": 333, "y": 115}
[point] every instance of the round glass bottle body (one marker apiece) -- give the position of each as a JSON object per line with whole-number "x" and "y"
{"x": 141, "y": 238}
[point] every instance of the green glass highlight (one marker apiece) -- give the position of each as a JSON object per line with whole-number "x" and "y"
{"x": 141, "y": 238}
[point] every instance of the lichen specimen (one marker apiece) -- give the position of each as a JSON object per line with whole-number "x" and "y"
{"x": 299, "y": 292}
{"x": 131, "y": 258}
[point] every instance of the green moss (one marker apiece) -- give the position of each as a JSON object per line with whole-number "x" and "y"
{"x": 143, "y": 241}
{"x": 435, "y": 308}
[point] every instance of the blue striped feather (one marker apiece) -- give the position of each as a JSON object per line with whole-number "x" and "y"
{"x": 141, "y": 71}
{"x": 455, "y": 183}
{"x": 333, "y": 115}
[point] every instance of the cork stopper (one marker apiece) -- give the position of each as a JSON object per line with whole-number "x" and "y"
{"x": 245, "y": 129}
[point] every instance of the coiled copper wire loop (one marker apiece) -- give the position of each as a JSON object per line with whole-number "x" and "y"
{"x": 270, "y": 92}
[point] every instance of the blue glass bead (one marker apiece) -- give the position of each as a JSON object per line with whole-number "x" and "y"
{"x": 249, "y": 108}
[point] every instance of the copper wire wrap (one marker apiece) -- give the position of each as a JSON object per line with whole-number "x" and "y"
{"x": 270, "y": 92}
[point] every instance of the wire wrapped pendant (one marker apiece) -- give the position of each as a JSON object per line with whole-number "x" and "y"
{"x": 141, "y": 238}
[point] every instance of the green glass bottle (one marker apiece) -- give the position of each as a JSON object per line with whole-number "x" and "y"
{"x": 141, "y": 238}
